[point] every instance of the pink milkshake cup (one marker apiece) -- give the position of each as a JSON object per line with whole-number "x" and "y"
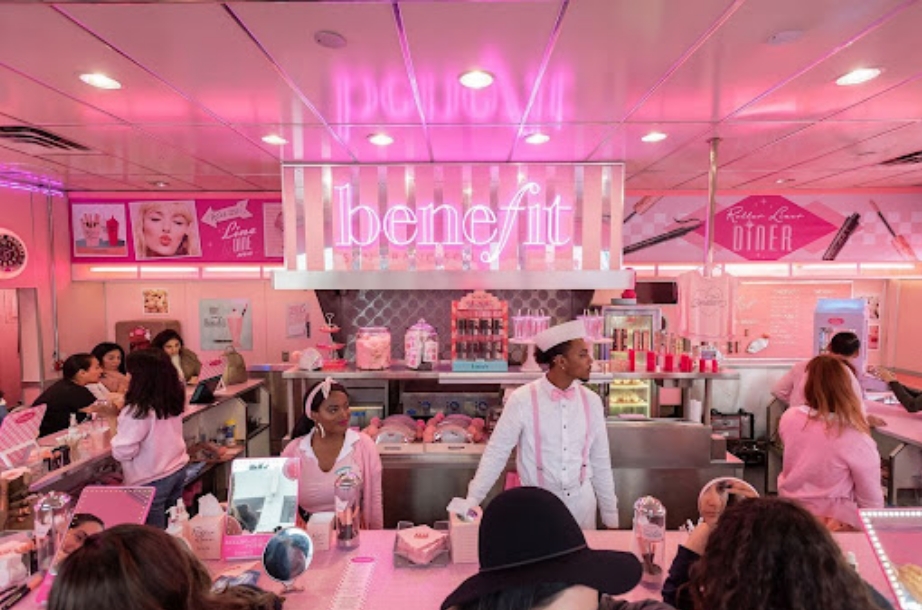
{"x": 235, "y": 326}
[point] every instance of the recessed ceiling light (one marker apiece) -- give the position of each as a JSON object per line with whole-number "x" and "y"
{"x": 856, "y": 77}
{"x": 654, "y": 136}
{"x": 330, "y": 40}
{"x": 160, "y": 184}
{"x": 538, "y": 138}
{"x": 274, "y": 139}
{"x": 476, "y": 79}
{"x": 380, "y": 139}
{"x": 100, "y": 81}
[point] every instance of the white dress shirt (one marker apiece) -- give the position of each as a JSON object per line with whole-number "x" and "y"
{"x": 563, "y": 436}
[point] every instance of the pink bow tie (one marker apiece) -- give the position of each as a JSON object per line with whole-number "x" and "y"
{"x": 568, "y": 394}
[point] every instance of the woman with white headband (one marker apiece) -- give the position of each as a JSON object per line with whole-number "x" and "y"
{"x": 332, "y": 448}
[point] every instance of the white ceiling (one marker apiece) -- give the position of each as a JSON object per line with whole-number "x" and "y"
{"x": 203, "y": 82}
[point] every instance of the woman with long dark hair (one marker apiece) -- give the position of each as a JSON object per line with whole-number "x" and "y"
{"x": 133, "y": 566}
{"x": 185, "y": 361}
{"x": 149, "y": 442}
{"x": 111, "y": 358}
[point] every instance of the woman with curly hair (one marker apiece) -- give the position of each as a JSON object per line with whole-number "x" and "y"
{"x": 831, "y": 464}
{"x": 144, "y": 568}
{"x": 766, "y": 554}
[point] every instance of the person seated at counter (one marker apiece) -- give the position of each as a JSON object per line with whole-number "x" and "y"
{"x": 332, "y": 448}
{"x": 790, "y": 388}
{"x": 142, "y": 567}
{"x": 910, "y": 398}
{"x": 557, "y": 427}
{"x": 148, "y": 441}
{"x": 184, "y": 359}
{"x": 553, "y": 570}
{"x": 82, "y": 526}
{"x": 111, "y": 358}
{"x": 70, "y": 394}
{"x": 831, "y": 464}
{"x": 765, "y": 554}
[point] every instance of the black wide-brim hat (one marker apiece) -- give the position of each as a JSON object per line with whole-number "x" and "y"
{"x": 528, "y": 536}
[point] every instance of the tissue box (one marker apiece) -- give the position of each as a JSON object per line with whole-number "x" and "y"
{"x": 320, "y": 529}
{"x": 205, "y": 535}
{"x": 464, "y": 536}
{"x": 421, "y": 547}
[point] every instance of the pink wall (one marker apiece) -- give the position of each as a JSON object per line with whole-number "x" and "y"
{"x": 123, "y": 301}
{"x": 10, "y": 365}
{"x": 26, "y": 214}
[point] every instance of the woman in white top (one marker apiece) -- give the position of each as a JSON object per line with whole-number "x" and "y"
{"x": 330, "y": 449}
{"x": 557, "y": 427}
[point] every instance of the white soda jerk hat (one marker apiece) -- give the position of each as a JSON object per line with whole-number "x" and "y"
{"x": 561, "y": 333}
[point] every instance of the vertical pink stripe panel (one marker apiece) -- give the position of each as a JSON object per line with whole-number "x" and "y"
{"x": 425, "y": 190}
{"x": 370, "y": 259}
{"x": 592, "y": 217}
{"x": 289, "y": 217}
{"x": 397, "y": 195}
{"x": 316, "y": 193}
{"x": 616, "y": 217}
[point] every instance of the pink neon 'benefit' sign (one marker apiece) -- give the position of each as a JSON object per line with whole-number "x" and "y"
{"x": 479, "y": 225}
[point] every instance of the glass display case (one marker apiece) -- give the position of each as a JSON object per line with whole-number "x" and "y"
{"x": 629, "y": 396}
{"x": 895, "y": 535}
{"x": 630, "y": 328}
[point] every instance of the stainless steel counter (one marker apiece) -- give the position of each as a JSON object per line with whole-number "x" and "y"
{"x": 666, "y": 459}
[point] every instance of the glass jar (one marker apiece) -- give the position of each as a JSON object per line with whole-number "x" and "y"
{"x": 649, "y": 541}
{"x": 421, "y": 346}
{"x": 373, "y": 348}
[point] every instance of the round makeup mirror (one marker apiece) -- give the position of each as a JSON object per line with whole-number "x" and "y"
{"x": 287, "y": 555}
{"x": 720, "y": 493}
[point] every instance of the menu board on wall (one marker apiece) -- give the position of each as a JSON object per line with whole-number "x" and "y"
{"x": 176, "y": 230}
{"x": 784, "y": 312}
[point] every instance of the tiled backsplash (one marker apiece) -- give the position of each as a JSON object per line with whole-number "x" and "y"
{"x": 400, "y": 309}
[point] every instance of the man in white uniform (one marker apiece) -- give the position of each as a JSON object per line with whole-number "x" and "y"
{"x": 558, "y": 429}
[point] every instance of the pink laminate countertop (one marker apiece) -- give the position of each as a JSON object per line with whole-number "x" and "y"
{"x": 901, "y": 424}
{"x": 393, "y": 588}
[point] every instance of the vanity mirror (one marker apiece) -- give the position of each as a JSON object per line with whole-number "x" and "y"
{"x": 262, "y": 499}
{"x": 97, "y": 508}
{"x": 287, "y": 555}
{"x": 720, "y": 493}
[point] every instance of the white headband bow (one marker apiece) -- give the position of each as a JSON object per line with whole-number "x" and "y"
{"x": 326, "y": 385}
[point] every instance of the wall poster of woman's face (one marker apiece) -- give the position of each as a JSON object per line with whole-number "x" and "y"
{"x": 99, "y": 229}
{"x": 165, "y": 229}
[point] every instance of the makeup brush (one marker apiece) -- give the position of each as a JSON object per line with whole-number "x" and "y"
{"x": 899, "y": 242}
{"x": 643, "y": 204}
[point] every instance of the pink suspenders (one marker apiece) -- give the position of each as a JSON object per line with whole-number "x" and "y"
{"x": 536, "y": 419}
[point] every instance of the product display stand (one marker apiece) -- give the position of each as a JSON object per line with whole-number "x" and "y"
{"x": 530, "y": 365}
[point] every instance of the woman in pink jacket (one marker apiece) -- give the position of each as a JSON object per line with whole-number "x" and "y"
{"x": 332, "y": 448}
{"x": 831, "y": 464}
{"x": 149, "y": 442}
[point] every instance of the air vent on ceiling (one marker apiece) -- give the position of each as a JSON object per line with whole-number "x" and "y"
{"x": 39, "y": 137}
{"x": 910, "y": 159}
